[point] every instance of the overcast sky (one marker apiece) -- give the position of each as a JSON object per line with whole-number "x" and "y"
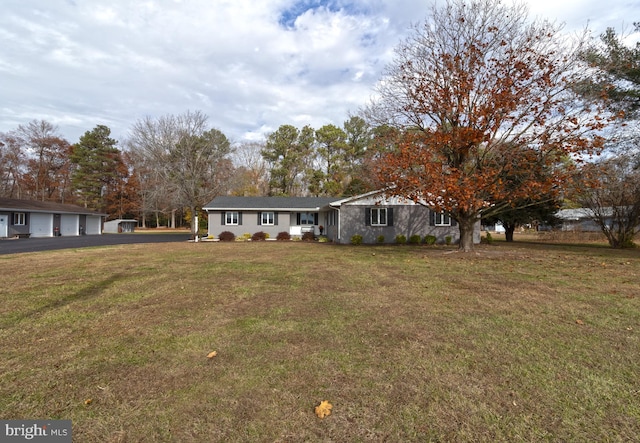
{"x": 250, "y": 65}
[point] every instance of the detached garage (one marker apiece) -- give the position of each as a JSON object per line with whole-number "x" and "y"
{"x": 28, "y": 218}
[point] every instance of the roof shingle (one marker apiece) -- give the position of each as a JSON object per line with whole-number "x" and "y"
{"x": 280, "y": 203}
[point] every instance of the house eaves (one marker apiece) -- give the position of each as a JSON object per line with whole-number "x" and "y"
{"x": 291, "y": 204}
{"x": 382, "y": 192}
{"x": 17, "y": 205}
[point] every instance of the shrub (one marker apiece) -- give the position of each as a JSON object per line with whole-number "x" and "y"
{"x": 415, "y": 239}
{"x": 308, "y": 236}
{"x": 227, "y": 236}
{"x": 489, "y": 238}
{"x": 283, "y": 236}
{"x": 356, "y": 239}
{"x": 401, "y": 239}
{"x": 259, "y": 236}
{"x": 430, "y": 239}
{"x": 380, "y": 239}
{"x": 448, "y": 239}
{"x": 246, "y": 236}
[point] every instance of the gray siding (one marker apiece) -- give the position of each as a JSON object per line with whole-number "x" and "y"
{"x": 285, "y": 222}
{"x": 408, "y": 220}
{"x": 17, "y": 229}
{"x": 249, "y": 224}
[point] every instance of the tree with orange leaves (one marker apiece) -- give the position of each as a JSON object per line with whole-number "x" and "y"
{"x": 485, "y": 110}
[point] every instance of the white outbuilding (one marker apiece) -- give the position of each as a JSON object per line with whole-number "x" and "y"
{"x": 120, "y": 225}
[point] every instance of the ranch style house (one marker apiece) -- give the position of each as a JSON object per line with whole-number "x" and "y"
{"x": 372, "y": 215}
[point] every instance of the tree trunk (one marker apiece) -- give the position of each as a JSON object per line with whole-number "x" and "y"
{"x": 466, "y": 226}
{"x": 509, "y": 229}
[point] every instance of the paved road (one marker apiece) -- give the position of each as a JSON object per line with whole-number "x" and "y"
{"x": 12, "y": 246}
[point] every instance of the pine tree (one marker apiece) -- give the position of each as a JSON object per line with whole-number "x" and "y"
{"x": 96, "y": 160}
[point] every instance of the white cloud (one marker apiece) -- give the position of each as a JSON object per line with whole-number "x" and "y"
{"x": 250, "y": 65}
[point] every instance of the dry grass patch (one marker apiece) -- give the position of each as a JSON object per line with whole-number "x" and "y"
{"x": 513, "y": 343}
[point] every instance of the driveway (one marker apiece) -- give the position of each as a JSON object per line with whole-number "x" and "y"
{"x": 13, "y": 246}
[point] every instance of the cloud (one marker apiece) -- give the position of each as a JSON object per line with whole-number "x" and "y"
{"x": 251, "y": 66}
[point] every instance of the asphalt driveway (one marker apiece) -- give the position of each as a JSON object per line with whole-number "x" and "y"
{"x": 13, "y": 246}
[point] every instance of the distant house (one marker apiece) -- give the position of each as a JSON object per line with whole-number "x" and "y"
{"x": 119, "y": 226}
{"x": 578, "y": 219}
{"x": 30, "y": 218}
{"x": 585, "y": 220}
{"x": 371, "y": 215}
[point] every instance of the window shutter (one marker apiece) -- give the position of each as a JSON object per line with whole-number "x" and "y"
{"x": 239, "y": 218}
{"x": 432, "y": 218}
{"x": 453, "y": 222}
{"x": 298, "y": 218}
{"x": 315, "y": 218}
{"x": 259, "y": 218}
{"x": 367, "y": 216}
{"x": 224, "y": 218}
{"x": 389, "y": 216}
{"x": 275, "y": 218}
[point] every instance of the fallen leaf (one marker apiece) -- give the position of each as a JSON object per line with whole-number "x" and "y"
{"x": 212, "y": 354}
{"x": 580, "y": 322}
{"x": 88, "y": 401}
{"x": 323, "y": 409}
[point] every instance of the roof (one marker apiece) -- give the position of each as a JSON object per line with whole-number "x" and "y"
{"x": 272, "y": 203}
{"x": 121, "y": 220}
{"x": 11, "y": 204}
{"x": 338, "y": 203}
{"x": 575, "y": 214}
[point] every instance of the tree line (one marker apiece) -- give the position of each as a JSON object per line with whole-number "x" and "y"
{"x": 170, "y": 166}
{"x": 482, "y": 114}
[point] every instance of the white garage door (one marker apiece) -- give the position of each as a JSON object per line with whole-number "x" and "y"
{"x": 93, "y": 225}
{"x": 69, "y": 224}
{"x": 41, "y": 225}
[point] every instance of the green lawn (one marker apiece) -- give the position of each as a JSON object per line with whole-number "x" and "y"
{"x": 522, "y": 342}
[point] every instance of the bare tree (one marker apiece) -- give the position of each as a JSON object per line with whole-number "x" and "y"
{"x": 187, "y": 156}
{"x": 251, "y": 177}
{"x": 12, "y": 164}
{"x": 48, "y": 166}
{"x": 611, "y": 191}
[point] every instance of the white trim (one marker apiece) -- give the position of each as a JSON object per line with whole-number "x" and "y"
{"x": 226, "y": 220}
{"x": 268, "y": 223}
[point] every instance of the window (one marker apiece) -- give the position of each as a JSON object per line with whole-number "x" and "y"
{"x": 19, "y": 218}
{"x": 231, "y": 218}
{"x": 378, "y": 216}
{"x": 442, "y": 219}
{"x": 267, "y": 218}
{"x": 332, "y": 218}
{"x": 307, "y": 218}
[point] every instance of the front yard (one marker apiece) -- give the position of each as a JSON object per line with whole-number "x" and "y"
{"x": 522, "y": 342}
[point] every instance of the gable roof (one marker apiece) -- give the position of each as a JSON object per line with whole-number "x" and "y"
{"x": 272, "y": 203}
{"x": 12, "y": 204}
{"x": 338, "y": 203}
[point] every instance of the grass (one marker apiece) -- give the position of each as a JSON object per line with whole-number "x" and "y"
{"x": 522, "y": 342}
